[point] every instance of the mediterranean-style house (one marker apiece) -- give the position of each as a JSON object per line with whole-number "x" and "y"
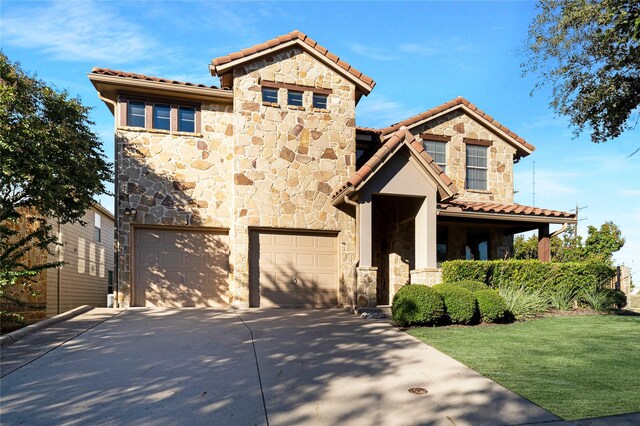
{"x": 264, "y": 192}
{"x": 85, "y": 278}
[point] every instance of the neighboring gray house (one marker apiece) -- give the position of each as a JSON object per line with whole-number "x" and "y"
{"x": 265, "y": 193}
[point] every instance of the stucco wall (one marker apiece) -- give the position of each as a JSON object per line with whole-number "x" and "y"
{"x": 459, "y": 125}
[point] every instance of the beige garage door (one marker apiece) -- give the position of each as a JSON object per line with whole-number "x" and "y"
{"x": 293, "y": 269}
{"x": 176, "y": 268}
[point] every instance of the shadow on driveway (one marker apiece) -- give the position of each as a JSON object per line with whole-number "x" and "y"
{"x": 197, "y": 366}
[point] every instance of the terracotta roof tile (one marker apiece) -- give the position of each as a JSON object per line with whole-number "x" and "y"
{"x": 400, "y": 136}
{"x": 134, "y": 76}
{"x": 368, "y": 130}
{"x": 515, "y": 209}
{"x": 294, "y": 35}
{"x": 453, "y": 103}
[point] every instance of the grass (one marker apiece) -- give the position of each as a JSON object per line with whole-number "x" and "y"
{"x": 574, "y": 366}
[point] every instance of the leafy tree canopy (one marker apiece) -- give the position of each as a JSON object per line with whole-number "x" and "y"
{"x": 51, "y": 165}
{"x": 600, "y": 244}
{"x": 589, "y": 52}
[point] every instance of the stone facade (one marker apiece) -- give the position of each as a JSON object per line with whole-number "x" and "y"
{"x": 254, "y": 165}
{"x": 426, "y": 276}
{"x": 458, "y": 125}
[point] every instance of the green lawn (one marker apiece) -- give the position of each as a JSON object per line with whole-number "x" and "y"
{"x": 574, "y": 366}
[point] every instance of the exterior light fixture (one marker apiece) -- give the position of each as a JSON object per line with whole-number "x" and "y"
{"x": 129, "y": 211}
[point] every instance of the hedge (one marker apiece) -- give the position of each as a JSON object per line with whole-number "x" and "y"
{"x": 491, "y": 305}
{"x": 416, "y": 304}
{"x": 471, "y": 285}
{"x": 530, "y": 273}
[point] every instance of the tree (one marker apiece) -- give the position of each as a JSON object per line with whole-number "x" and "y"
{"x": 589, "y": 52}
{"x": 50, "y": 163}
{"x": 600, "y": 245}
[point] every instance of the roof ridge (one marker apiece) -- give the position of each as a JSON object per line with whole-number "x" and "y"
{"x": 138, "y": 76}
{"x": 459, "y": 100}
{"x": 293, "y": 35}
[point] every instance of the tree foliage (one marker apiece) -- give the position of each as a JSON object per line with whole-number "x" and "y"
{"x": 600, "y": 244}
{"x": 589, "y": 52}
{"x": 51, "y": 162}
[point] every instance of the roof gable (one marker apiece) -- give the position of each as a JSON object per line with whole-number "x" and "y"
{"x": 224, "y": 64}
{"x": 523, "y": 147}
{"x": 401, "y": 138}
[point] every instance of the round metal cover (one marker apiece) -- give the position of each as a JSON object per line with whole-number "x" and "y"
{"x": 418, "y": 391}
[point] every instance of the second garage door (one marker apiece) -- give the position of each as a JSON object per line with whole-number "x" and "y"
{"x": 293, "y": 269}
{"x": 180, "y": 268}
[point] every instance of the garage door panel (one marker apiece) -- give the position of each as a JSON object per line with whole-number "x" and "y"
{"x": 177, "y": 268}
{"x": 293, "y": 270}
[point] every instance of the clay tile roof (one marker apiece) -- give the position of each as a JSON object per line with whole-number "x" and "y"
{"x": 295, "y": 35}
{"x": 515, "y": 209}
{"x": 134, "y": 76}
{"x": 400, "y": 136}
{"x": 448, "y": 105}
{"x": 368, "y": 130}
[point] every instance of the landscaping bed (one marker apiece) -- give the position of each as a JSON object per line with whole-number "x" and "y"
{"x": 576, "y": 366}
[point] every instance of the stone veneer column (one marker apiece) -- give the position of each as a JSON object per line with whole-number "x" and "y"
{"x": 426, "y": 276}
{"x": 367, "y": 286}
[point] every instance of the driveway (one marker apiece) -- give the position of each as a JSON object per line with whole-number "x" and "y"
{"x": 278, "y": 367}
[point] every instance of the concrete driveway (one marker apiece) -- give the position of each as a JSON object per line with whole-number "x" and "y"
{"x": 199, "y": 366}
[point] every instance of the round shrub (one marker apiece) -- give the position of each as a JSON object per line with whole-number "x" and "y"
{"x": 618, "y": 298}
{"x": 471, "y": 285}
{"x": 459, "y": 303}
{"x": 416, "y": 304}
{"x": 491, "y": 305}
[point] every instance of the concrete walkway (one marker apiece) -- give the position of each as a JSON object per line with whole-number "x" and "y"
{"x": 278, "y": 367}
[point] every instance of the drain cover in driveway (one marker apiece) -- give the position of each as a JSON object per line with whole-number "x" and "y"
{"x": 419, "y": 391}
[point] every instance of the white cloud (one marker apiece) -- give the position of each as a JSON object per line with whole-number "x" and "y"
{"x": 371, "y": 52}
{"x": 437, "y": 46}
{"x": 78, "y": 31}
{"x": 379, "y": 112}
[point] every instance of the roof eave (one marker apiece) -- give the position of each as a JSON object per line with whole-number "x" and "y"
{"x": 109, "y": 86}
{"x": 506, "y": 217}
{"x": 219, "y": 70}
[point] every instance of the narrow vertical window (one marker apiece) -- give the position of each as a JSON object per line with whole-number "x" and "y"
{"x": 135, "y": 114}
{"x": 294, "y": 98}
{"x": 162, "y": 117}
{"x": 320, "y": 100}
{"x": 437, "y": 151}
{"x": 476, "y": 167}
{"x": 186, "y": 119}
{"x": 270, "y": 94}
{"x": 97, "y": 231}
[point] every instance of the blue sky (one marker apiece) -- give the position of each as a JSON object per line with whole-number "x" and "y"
{"x": 421, "y": 54}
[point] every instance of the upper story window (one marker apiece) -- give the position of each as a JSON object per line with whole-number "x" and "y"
{"x": 186, "y": 119}
{"x": 162, "y": 116}
{"x": 294, "y": 98}
{"x": 97, "y": 230}
{"x": 270, "y": 94}
{"x": 320, "y": 100}
{"x": 136, "y": 114}
{"x": 438, "y": 151}
{"x": 476, "y": 167}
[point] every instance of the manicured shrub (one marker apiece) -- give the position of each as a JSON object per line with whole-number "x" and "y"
{"x": 471, "y": 285}
{"x": 530, "y": 273}
{"x": 523, "y": 302}
{"x": 491, "y": 305}
{"x": 459, "y": 303}
{"x": 416, "y": 304}
{"x": 619, "y": 299}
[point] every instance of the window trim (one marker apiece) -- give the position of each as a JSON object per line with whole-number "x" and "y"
{"x": 467, "y": 167}
{"x": 150, "y": 101}
{"x": 195, "y": 117}
{"x": 443, "y": 166}
{"x": 435, "y": 138}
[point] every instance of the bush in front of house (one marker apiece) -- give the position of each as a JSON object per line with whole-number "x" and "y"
{"x": 459, "y": 303}
{"x": 416, "y": 304}
{"x": 530, "y": 273}
{"x": 471, "y": 285}
{"x": 491, "y": 305}
{"x": 619, "y": 299}
{"x": 524, "y": 302}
